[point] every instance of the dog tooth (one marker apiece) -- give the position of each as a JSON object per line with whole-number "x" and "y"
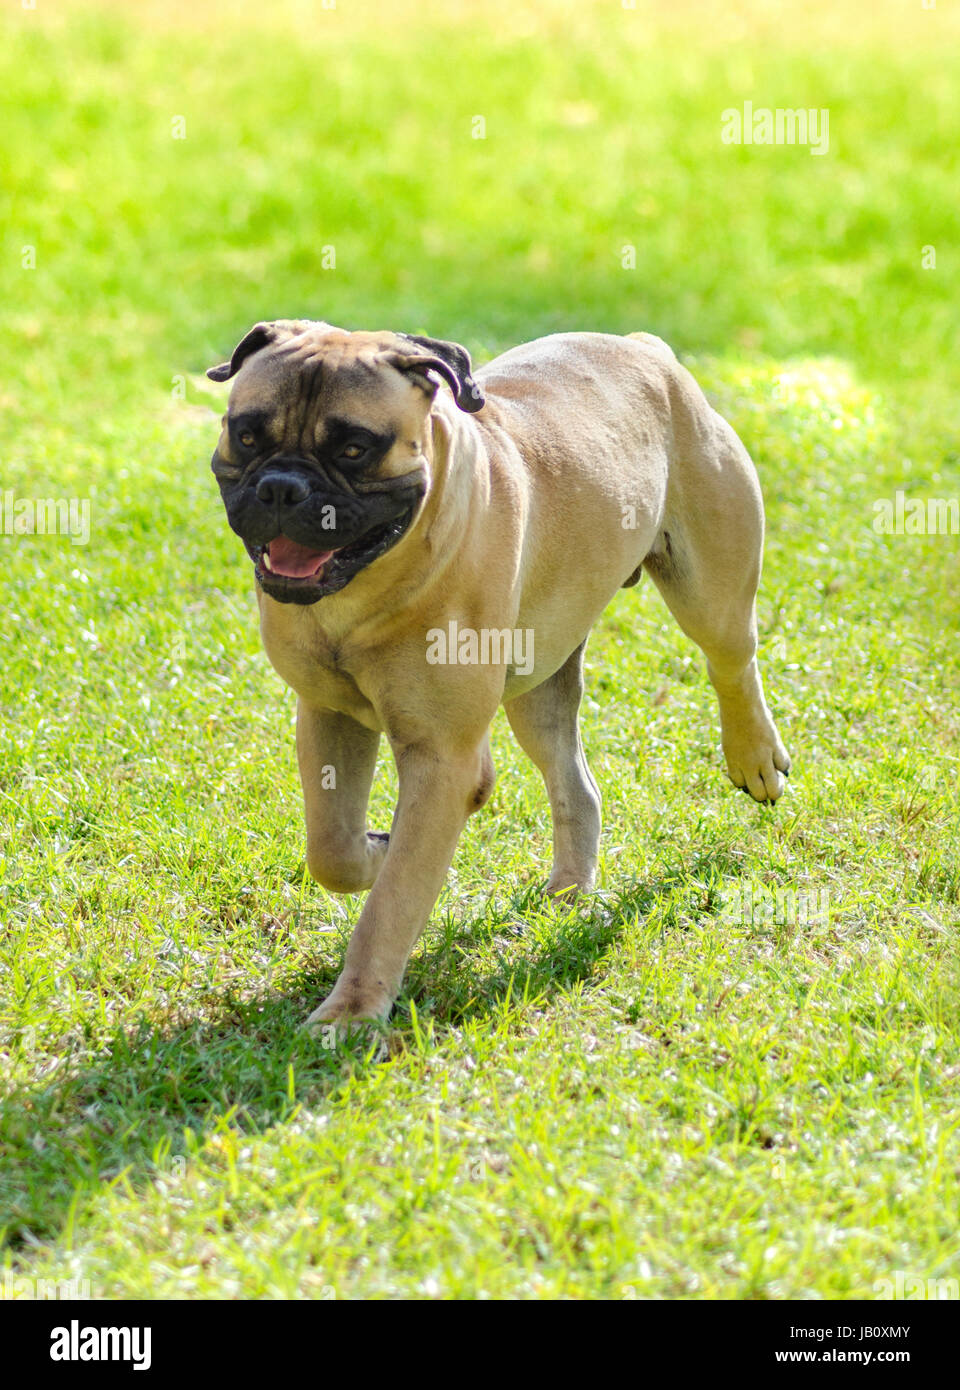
{"x": 266, "y": 559}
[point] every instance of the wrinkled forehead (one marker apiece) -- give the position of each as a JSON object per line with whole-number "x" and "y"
{"x": 325, "y": 373}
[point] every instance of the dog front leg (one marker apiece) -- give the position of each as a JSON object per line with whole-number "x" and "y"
{"x": 337, "y": 758}
{"x": 439, "y": 789}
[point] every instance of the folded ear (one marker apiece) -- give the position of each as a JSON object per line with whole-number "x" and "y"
{"x": 260, "y": 335}
{"x": 449, "y": 359}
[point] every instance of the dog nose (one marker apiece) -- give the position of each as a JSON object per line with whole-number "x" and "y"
{"x": 282, "y": 489}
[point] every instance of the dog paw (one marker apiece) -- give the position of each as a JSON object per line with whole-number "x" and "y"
{"x": 350, "y": 1011}
{"x": 566, "y": 885}
{"x": 759, "y": 766}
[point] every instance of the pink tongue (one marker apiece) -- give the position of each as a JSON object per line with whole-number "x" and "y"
{"x": 295, "y": 561}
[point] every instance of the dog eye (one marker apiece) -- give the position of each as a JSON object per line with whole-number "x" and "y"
{"x": 353, "y": 451}
{"x": 247, "y": 438}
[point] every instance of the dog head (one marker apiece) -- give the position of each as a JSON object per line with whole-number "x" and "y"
{"x": 323, "y": 459}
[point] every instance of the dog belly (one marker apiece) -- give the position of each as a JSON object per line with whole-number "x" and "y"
{"x": 563, "y": 602}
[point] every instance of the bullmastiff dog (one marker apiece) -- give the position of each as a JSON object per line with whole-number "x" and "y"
{"x": 429, "y": 544}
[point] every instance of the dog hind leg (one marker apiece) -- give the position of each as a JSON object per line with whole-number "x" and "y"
{"x": 545, "y": 722}
{"x": 706, "y": 564}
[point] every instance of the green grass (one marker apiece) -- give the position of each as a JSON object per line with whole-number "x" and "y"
{"x": 633, "y": 1098}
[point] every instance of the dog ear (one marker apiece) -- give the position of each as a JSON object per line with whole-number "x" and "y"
{"x": 449, "y": 359}
{"x": 260, "y": 335}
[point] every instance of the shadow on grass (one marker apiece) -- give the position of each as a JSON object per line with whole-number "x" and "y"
{"x": 508, "y": 961}
{"x": 154, "y": 1092}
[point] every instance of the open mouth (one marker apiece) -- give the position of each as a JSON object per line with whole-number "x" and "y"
{"x": 289, "y": 559}
{"x": 295, "y": 573}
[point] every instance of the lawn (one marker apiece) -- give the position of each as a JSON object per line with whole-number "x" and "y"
{"x": 731, "y": 1073}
